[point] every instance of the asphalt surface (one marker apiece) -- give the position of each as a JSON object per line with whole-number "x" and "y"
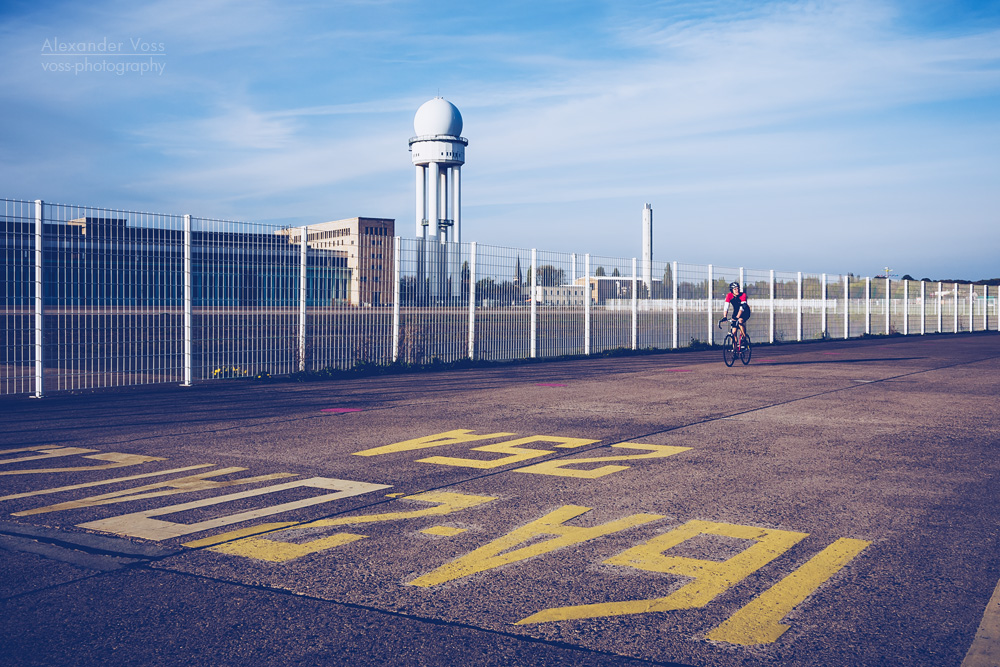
{"x": 832, "y": 503}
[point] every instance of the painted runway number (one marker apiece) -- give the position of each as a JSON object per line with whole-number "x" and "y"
{"x": 242, "y": 542}
{"x": 758, "y": 621}
{"x": 517, "y": 452}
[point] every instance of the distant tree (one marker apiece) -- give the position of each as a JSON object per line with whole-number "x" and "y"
{"x": 615, "y": 272}
{"x": 550, "y": 276}
{"x": 486, "y": 289}
{"x": 466, "y": 280}
{"x": 517, "y": 271}
{"x": 600, "y": 271}
{"x": 663, "y": 290}
{"x": 907, "y": 277}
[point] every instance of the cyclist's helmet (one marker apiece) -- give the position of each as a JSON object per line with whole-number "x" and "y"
{"x": 734, "y": 286}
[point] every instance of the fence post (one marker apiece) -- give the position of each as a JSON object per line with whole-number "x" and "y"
{"x": 923, "y": 308}
{"x": 972, "y": 308}
{"x": 472, "y": 299}
{"x": 395, "y": 298}
{"x": 586, "y": 304}
{"x": 940, "y": 301}
{"x": 711, "y": 329}
{"x": 573, "y": 280}
{"x": 673, "y": 280}
{"x": 822, "y": 325}
{"x": 986, "y": 303}
{"x": 188, "y": 305}
{"x": 39, "y": 300}
{"x": 635, "y": 307}
{"x": 534, "y": 303}
{"x": 996, "y": 305}
{"x": 798, "y": 315}
{"x": 772, "y": 304}
{"x": 906, "y": 307}
{"x": 888, "y": 303}
{"x": 954, "y": 291}
{"x": 303, "y": 255}
{"x": 868, "y": 305}
{"x": 847, "y": 306}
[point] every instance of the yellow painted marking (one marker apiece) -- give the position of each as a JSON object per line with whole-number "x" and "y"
{"x": 174, "y": 486}
{"x": 985, "y": 649}
{"x": 444, "y": 531}
{"x": 278, "y": 551}
{"x": 394, "y": 495}
{"x": 710, "y": 578}
{"x": 113, "y": 480}
{"x": 501, "y": 551}
{"x": 117, "y": 461}
{"x": 237, "y": 534}
{"x": 559, "y": 469}
{"x": 445, "y": 503}
{"x": 428, "y": 441}
{"x": 511, "y": 447}
{"x": 141, "y": 524}
{"x": 45, "y": 452}
{"x": 758, "y": 622}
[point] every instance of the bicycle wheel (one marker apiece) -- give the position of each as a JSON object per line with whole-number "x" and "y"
{"x": 728, "y": 352}
{"x": 745, "y": 350}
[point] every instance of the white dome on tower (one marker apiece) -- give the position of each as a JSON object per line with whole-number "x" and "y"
{"x": 438, "y": 116}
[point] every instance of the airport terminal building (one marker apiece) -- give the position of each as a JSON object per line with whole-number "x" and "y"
{"x": 109, "y": 261}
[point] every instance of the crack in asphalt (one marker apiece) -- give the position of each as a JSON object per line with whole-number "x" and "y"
{"x": 430, "y": 620}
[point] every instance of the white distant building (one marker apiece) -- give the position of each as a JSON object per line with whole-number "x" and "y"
{"x": 559, "y": 295}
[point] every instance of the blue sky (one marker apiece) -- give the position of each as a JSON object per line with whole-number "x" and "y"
{"x": 824, "y": 136}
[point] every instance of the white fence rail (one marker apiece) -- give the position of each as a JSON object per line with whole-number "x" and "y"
{"x": 99, "y": 298}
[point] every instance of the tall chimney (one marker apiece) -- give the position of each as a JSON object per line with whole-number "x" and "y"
{"x": 647, "y": 247}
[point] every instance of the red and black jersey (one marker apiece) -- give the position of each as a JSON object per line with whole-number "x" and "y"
{"x": 738, "y": 301}
{"x": 741, "y": 297}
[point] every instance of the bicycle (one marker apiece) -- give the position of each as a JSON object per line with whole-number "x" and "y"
{"x": 737, "y": 345}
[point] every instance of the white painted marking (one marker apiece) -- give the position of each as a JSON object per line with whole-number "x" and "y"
{"x": 141, "y": 524}
{"x": 985, "y": 649}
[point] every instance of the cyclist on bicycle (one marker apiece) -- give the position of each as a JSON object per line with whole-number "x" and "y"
{"x": 741, "y": 309}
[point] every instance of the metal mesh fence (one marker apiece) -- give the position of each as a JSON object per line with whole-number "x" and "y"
{"x": 19, "y": 284}
{"x": 245, "y": 281}
{"x": 612, "y": 288}
{"x": 757, "y": 285}
{"x": 111, "y": 297}
{"x": 502, "y": 322}
{"x": 560, "y": 288}
{"x": 694, "y": 322}
{"x": 655, "y": 307}
{"x": 786, "y": 305}
{"x": 99, "y": 298}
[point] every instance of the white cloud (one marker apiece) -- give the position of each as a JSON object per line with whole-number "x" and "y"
{"x": 776, "y": 112}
